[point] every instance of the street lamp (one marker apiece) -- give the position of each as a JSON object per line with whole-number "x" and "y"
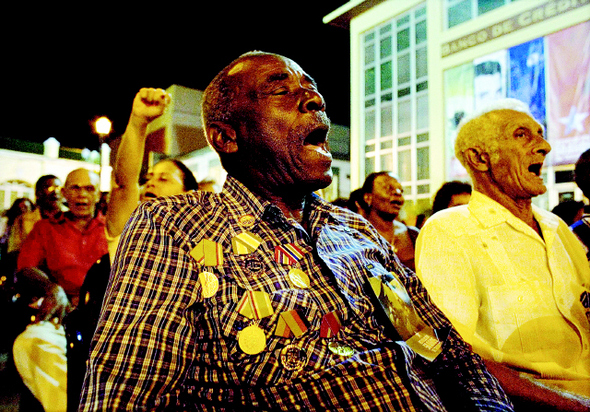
{"x": 102, "y": 127}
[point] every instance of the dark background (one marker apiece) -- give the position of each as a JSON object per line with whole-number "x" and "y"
{"x": 62, "y": 67}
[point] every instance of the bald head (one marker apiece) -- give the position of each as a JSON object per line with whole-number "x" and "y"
{"x": 81, "y": 192}
{"x": 219, "y": 96}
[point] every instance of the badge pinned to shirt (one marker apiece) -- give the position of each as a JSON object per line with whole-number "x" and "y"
{"x": 288, "y": 254}
{"x": 246, "y": 221}
{"x": 245, "y": 243}
{"x": 398, "y": 308}
{"x": 208, "y": 253}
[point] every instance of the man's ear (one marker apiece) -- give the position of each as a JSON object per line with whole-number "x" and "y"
{"x": 368, "y": 198}
{"x": 477, "y": 160}
{"x": 222, "y": 137}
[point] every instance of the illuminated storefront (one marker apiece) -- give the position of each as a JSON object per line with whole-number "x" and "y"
{"x": 418, "y": 67}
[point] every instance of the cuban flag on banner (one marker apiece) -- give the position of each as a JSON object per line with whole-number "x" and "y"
{"x": 568, "y": 93}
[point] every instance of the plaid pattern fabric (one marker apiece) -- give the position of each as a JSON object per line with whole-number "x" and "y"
{"x": 162, "y": 345}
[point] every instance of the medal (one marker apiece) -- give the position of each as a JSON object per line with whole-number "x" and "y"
{"x": 330, "y": 325}
{"x": 288, "y": 254}
{"x": 290, "y": 323}
{"x": 340, "y": 350}
{"x": 246, "y": 221}
{"x": 253, "y": 265}
{"x": 293, "y": 358}
{"x": 255, "y": 305}
{"x": 245, "y": 243}
{"x": 208, "y": 253}
{"x": 299, "y": 278}
{"x": 209, "y": 284}
{"x": 252, "y": 340}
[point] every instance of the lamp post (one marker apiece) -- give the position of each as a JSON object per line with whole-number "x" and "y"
{"x": 102, "y": 127}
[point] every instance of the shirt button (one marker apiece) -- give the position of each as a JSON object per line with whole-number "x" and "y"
{"x": 520, "y": 298}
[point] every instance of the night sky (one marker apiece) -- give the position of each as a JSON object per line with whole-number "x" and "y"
{"x": 62, "y": 68}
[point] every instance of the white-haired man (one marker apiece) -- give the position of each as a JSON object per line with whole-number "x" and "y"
{"x": 512, "y": 277}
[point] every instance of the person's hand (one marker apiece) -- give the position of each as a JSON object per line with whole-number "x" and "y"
{"x": 148, "y": 105}
{"x": 54, "y": 306}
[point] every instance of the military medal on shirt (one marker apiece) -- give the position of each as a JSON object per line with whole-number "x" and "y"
{"x": 253, "y": 305}
{"x": 398, "y": 308}
{"x": 256, "y": 305}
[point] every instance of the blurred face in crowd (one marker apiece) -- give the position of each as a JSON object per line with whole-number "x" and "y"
{"x": 283, "y": 127}
{"x": 49, "y": 194}
{"x": 515, "y": 168}
{"x": 164, "y": 179}
{"x": 459, "y": 199}
{"x": 386, "y": 198}
{"x": 82, "y": 193}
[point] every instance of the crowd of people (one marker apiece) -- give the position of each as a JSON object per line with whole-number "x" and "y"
{"x": 264, "y": 296}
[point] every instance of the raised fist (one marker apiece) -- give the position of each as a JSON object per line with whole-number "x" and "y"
{"x": 149, "y": 104}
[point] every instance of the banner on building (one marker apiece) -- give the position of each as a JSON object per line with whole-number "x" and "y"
{"x": 527, "y": 77}
{"x": 568, "y": 93}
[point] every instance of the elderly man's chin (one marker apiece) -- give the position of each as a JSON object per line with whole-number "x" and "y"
{"x": 320, "y": 181}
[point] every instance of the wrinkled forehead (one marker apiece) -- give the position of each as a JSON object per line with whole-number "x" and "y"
{"x": 512, "y": 120}
{"x": 254, "y": 71}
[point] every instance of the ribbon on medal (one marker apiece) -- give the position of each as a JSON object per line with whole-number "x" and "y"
{"x": 288, "y": 254}
{"x": 291, "y": 322}
{"x": 245, "y": 243}
{"x": 401, "y": 314}
{"x": 255, "y": 305}
{"x": 330, "y": 325}
{"x": 208, "y": 253}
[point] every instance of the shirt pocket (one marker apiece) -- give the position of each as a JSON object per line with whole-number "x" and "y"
{"x": 520, "y": 314}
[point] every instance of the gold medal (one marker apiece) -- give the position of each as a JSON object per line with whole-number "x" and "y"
{"x": 293, "y": 358}
{"x": 252, "y": 340}
{"x": 209, "y": 284}
{"x": 299, "y": 278}
{"x": 340, "y": 350}
{"x": 246, "y": 221}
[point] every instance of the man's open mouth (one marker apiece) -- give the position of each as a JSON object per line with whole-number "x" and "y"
{"x": 318, "y": 137}
{"x": 535, "y": 168}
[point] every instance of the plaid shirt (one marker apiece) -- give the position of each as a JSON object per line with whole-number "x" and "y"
{"x": 163, "y": 343}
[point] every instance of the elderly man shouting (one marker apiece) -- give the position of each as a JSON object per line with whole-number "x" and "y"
{"x": 264, "y": 296}
{"x": 511, "y": 277}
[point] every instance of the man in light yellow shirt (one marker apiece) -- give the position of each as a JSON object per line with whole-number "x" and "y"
{"x": 512, "y": 278}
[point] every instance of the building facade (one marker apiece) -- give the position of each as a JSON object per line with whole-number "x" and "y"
{"x": 419, "y": 67}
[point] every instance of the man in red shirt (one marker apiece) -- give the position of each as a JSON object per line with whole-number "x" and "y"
{"x": 68, "y": 244}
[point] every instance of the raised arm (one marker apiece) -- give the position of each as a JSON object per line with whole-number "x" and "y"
{"x": 148, "y": 105}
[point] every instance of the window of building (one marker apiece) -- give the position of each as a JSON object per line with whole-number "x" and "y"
{"x": 395, "y": 117}
{"x": 460, "y": 11}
